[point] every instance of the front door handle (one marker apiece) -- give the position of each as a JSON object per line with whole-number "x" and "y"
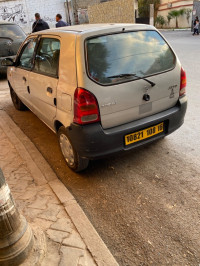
{"x": 50, "y": 90}
{"x": 24, "y": 79}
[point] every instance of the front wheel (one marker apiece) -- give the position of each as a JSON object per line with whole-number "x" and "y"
{"x": 16, "y": 101}
{"x": 72, "y": 158}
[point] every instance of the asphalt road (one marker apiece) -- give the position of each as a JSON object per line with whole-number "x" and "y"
{"x": 146, "y": 204}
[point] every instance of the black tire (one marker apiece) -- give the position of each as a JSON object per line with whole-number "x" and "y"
{"x": 76, "y": 163}
{"x": 16, "y": 101}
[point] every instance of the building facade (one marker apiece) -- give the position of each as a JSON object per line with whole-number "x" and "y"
{"x": 22, "y": 11}
{"x": 76, "y": 11}
{"x": 116, "y": 11}
{"x": 168, "y": 5}
{"x": 80, "y": 8}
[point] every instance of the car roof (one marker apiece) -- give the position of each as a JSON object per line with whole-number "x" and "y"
{"x": 85, "y": 28}
{"x": 3, "y": 22}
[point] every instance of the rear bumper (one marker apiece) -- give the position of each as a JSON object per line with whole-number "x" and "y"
{"x": 93, "y": 142}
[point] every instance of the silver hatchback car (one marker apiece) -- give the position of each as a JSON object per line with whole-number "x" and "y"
{"x": 103, "y": 88}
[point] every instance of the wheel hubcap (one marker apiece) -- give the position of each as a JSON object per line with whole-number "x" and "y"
{"x": 67, "y": 149}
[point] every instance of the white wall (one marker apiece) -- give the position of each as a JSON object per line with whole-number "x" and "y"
{"x": 164, "y": 9}
{"x": 22, "y": 11}
{"x": 182, "y": 20}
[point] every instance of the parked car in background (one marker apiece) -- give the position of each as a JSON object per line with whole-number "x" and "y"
{"x": 103, "y": 88}
{"x": 11, "y": 37}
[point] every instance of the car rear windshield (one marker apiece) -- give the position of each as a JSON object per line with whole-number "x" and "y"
{"x": 13, "y": 32}
{"x": 126, "y": 56}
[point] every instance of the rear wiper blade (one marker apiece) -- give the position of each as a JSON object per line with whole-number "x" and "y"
{"x": 133, "y": 75}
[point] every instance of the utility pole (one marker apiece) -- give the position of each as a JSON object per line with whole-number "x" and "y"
{"x": 151, "y": 22}
{"x": 67, "y": 12}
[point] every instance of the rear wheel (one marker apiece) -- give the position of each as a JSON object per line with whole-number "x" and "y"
{"x": 16, "y": 101}
{"x": 72, "y": 158}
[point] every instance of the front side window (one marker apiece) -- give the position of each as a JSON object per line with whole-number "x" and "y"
{"x": 25, "y": 59}
{"x": 47, "y": 57}
{"x": 121, "y": 57}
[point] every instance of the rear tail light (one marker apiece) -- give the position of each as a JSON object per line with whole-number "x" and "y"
{"x": 183, "y": 82}
{"x": 86, "y": 108}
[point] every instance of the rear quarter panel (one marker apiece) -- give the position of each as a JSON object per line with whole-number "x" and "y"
{"x": 67, "y": 79}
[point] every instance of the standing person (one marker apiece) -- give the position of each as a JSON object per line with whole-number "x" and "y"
{"x": 195, "y": 20}
{"x": 39, "y": 24}
{"x": 196, "y": 28}
{"x": 60, "y": 22}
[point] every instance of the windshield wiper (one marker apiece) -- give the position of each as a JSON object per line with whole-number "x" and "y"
{"x": 132, "y": 75}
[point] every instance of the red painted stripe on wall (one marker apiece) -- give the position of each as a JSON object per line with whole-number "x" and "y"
{"x": 172, "y": 2}
{"x": 174, "y": 7}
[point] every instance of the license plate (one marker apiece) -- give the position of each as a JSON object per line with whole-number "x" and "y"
{"x": 144, "y": 134}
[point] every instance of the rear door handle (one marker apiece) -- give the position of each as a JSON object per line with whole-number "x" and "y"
{"x": 24, "y": 79}
{"x": 50, "y": 90}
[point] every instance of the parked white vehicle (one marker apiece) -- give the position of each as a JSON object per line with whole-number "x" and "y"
{"x": 103, "y": 88}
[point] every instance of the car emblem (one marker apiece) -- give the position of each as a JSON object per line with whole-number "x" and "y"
{"x": 146, "y": 96}
{"x": 9, "y": 43}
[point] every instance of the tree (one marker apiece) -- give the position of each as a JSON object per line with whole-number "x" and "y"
{"x": 168, "y": 19}
{"x": 160, "y": 20}
{"x": 144, "y": 7}
{"x": 187, "y": 13}
{"x": 176, "y": 14}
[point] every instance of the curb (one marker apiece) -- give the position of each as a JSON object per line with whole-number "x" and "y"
{"x": 43, "y": 174}
{"x": 187, "y": 29}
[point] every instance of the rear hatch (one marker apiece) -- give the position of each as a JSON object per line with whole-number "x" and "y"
{"x": 126, "y": 67}
{"x": 11, "y": 37}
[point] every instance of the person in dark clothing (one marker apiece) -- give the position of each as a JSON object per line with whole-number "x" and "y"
{"x": 196, "y": 26}
{"x": 195, "y": 21}
{"x": 60, "y": 22}
{"x": 39, "y": 24}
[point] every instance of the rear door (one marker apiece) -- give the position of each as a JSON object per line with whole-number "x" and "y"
{"x": 118, "y": 64}
{"x": 43, "y": 79}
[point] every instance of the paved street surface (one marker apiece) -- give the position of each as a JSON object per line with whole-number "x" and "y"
{"x": 62, "y": 233}
{"x": 145, "y": 204}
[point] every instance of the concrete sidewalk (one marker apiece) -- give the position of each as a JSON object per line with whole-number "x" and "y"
{"x": 69, "y": 238}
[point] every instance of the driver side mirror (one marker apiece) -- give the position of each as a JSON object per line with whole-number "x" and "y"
{"x": 7, "y": 62}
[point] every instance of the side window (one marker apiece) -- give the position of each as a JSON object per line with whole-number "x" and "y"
{"x": 47, "y": 57}
{"x": 25, "y": 59}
